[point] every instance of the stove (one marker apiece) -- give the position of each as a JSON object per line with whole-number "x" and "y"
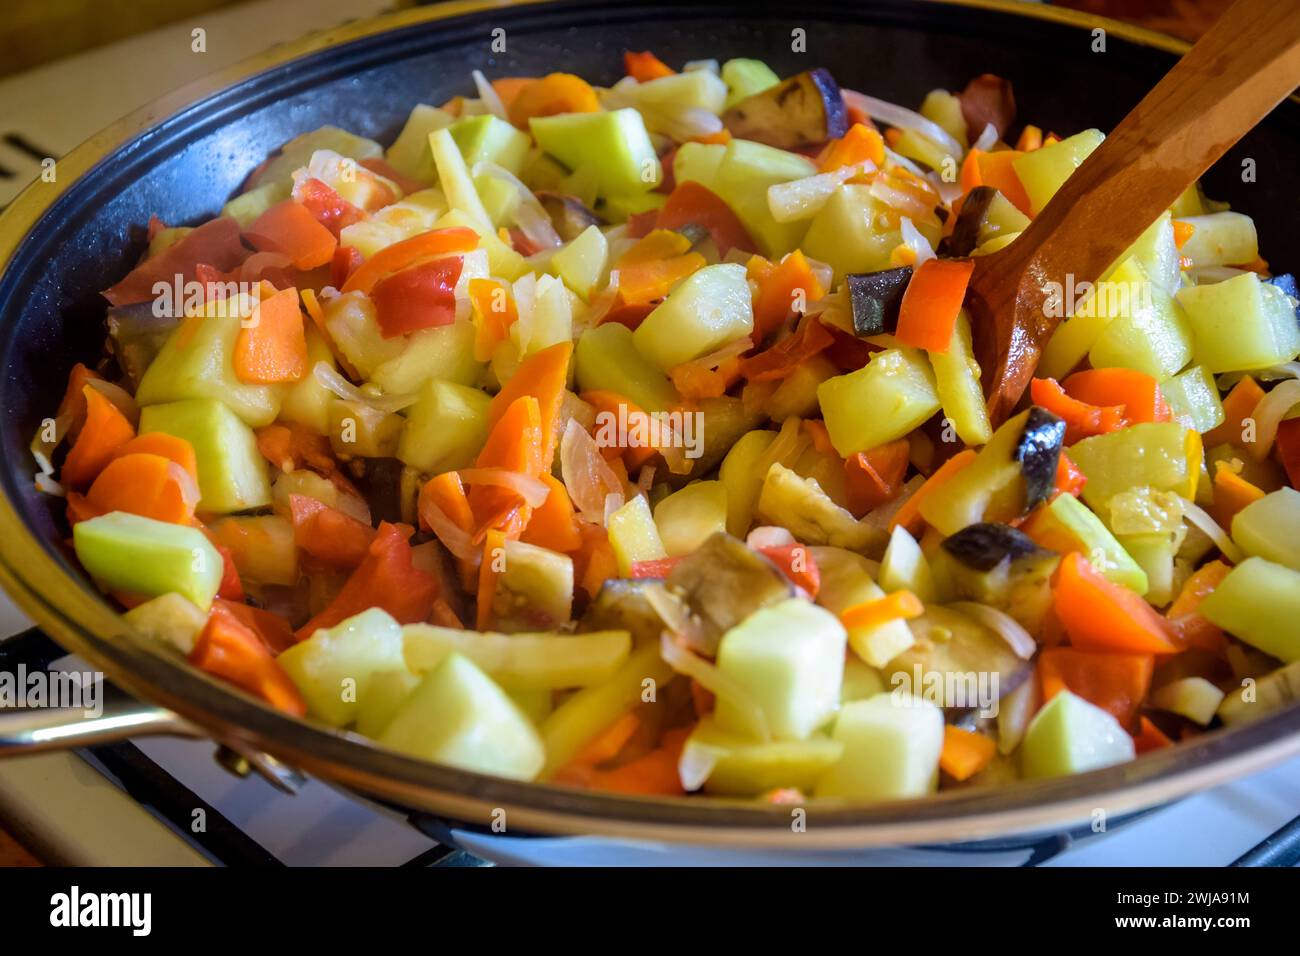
{"x": 167, "y": 802}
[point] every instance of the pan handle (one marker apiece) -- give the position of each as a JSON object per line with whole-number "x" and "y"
{"x": 114, "y": 716}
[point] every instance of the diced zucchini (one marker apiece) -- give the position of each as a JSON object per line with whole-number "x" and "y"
{"x": 136, "y": 555}
{"x": 551, "y": 319}
{"x": 445, "y": 353}
{"x": 616, "y": 209}
{"x": 706, "y": 311}
{"x": 904, "y": 567}
{"x": 738, "y": 766}
{"x": 743, "y": 480}
{"x": 692, "y": 89}
{"x": 1193, "y": 399}
{"x": 262, "y": 547}
{"x": 445, "y": 429}
{"x": 1221, "y": 239}
{"x": 634, "y": 535}
{"x": 1154, "y": 554}
{"x": 1259, "y": 698}
{"x": 891, "y": 744}
{"x": 360, "y": 430}
{"x": 1270, "y": 527}
{"x": 607, "y": 359}
{"x": 745, "y": 77}
{"x": 1259, "y": 603}
{"x": 1192, "y": 697}
{"x": 957, "y": 380}
{"x": 1157, "y": 253}
{"x": 1241, "y": 323}
{"x": 459, "y": 716}
{"x": 232, "y": 472}
{"x": 197, "y": 361}
{"x": 698, "y": 162}
{"x": 454, "y": 178}
{"x": 1044, "y": 171}
{"x": 897, "y": 387}
{"x": 1151, "y": 454}
{"x": 686, "y": 517}
{"x": 312, "y": 485}
{"x": 351, "y": 323}
{"x": 409, "y": 154}
{"x": 384, "y": 694}
{"x": 944, "y": 109}
{"x": 847, "y": 234}
{"x": 1146, "y": 330}
{"x": 306, "y": 402}
{"x": 1066, "y": 524}
{"x": 788, "y": 659}
{"x": 796, "y": 396}
{"x": 1001, "y": 220}
{"x": 170, "y": 619}
{"x": 331, "y": 668}
{"x": 614, "y": 144}
{"x": 581, "y": 263}
{"x": 522, "y": 661}
{"x": 1069, "y": 735}
{"x": 488, "y": 139}
{"x": 995, "y": 472}
{"x": 746, "y": 170}
{"x": 801, "y": 506}
{"x": 861, "y": 680}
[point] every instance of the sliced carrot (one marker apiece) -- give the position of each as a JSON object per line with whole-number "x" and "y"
{"x": 514, "y": 444}
{"x": 508, "y": 87}
{"x": 965, "y": 752}
{"x": 553, "y": 94}
{"x": 876, "y": 476}
{"x": 385, "y": 579}
{"x": 232, "y": 651}
{"x": 289, "y": 229}
{"x": 1183, "y": 615}
{"x": 647, "y": 282}
{"x": 168, "y": 446}
{"x": 72, "y": 408}
{"x": 693, "y": 204}
{"x": 105, "y": 431}
{"x": 810, "y": 338}
{"x": 1137, "y": 392}
{"x": 996, "y": 171}
{"x": 489, "y": 574}
{"x": 931, "y": 303}
{"x": 1149, "y": 737}
{"x": 543, "y": 375}
{"x": 554, "y": 524}
{"x": 147, "y": 485}
{"x": 645, "y": 66}
{"x": 861, "y": 144}
{"x": 654, "y": 568}
{"x": 1082, "y": 420}
{"x": 327, "y": 533}
{"x": 789, "y": 287}
{"x": 273, "y": 630}
{"x": 409, "y": 252}
{"x": 1117, "y": 683}
{"x": 1231, "y": 493}
{"x": 909, "y": 515}
{"x": 1031, "y": 138}
{"x": 272, "y": 347}
{"x": 494, "y": 312}
{"x": 1238, "y": 407}
{"x": 1099, "y": 615}
{"x": 595, "y": 562}
{"x": 1182, "y": 232}
{"x": 901, "y": 604}
{"x": 970, "y": 175}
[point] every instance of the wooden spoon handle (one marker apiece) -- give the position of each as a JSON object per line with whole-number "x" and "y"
{"x": 1244, "y": 66}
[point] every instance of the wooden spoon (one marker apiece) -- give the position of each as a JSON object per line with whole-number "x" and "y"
{"x": 1243, "y": 67}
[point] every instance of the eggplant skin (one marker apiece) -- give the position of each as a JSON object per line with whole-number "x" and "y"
{"x": 1039, "y": 452}
{"x": 985, "y": 545}
{"x": 875, "y": 298}
{"x": 804, "y": 110}
{"x": 966, "y": 230}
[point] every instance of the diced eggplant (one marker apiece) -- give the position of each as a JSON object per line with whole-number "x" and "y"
{"x": 986, "y": 545}
{"x": 725, "y": 581}
{"x": 1039, "y": 452}
{"x": 957, "y": 660}
{"x": 966, "y": 230}
{"x": 804, "y": 110}
{"x": 875, "y": 298}
{"x": 569, "y": 215}
{"x": 1001, "y": 567}
{"x": 380, "y": 481}
{"x": 623, "y": 605}
{"x": 1273, "y": 692}
{"x": 136, "y": 334}
{"x": 987, "y": 99}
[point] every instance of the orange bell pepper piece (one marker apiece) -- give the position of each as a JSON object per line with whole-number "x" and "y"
{"x": 876, "y": 476}
{"x": 693, "y": 204}
{"x": 1099, "y": 615}
{"x": 105, "y": 431}
{"x": 272, "y": 347}
{"x": 791, "y": 283}
{"x": 554, "y": 525}
{"x": 550, "y": 95}
{"x": 409, "y": 252}
{"x": 289, "y": 229}
{"x": 1117, "y": 683}
{"x": 232, "y": 651}
{"x": 543, "y": 375}
{"x": 1136, "y": 392}
{"x": 1238, "y": 406}
{"x": 931, "y": 303}
{"x": 965, "y": 752}
{"x": 645, "y": 66}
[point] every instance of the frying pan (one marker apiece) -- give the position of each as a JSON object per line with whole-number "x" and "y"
{"x": 182, "y": 157}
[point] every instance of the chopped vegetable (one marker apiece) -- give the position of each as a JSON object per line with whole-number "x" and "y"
{"x": 1100, "y": 615}
{"x": 928, "y": 312}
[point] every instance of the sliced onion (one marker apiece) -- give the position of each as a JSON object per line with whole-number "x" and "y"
{"x": 48, "y": 486}
{"x": 769, "y": 536}
{"x": 695, "y": 765}
{"x": 454, "y": 539}
{"x": 823, "y": 272}
{"x": 330, "y": 378}
{"x": 904, "y": 202}
{"x": 804, "y": 198}
{"x": 913, "y": 239}
{"x": 709, "y": 66}
{"x": 529, "y": 215}
{"x": 586, "y": 475}
{"x": 42, "y": 450}
{"x": 645, "y": 479}
{"x": 1004, "y": 625}
{"x": 903, "y": 118}
{"x": 124, "y": 400}
{"x": 255, "y": 265}
{"x": 1268, "y": 414}
{"x": 602, "y": 303}
{"x": 1274, "y": 373}
{"x": 719, "y": 684}
{"x": 532, "y": 490}
{"x": 489, "y": 96}
{"x": 1198, "y": 516}
{"x": 987, "y": 139}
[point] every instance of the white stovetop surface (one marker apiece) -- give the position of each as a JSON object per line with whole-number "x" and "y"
{"x": 72, "y": 813}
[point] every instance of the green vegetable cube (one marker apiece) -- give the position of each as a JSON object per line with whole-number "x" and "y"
{"x": 171, "y": 620}
{"x": 1146, "y": 329}
{"x": 1259, "y": 602}
{"x": 523, "y": 661}
{"x": 1193, "y": 399}
{"x": 1044, "y": 171}
{"x": 688, "y": 516}
{"x": 743, "y": 479}
{"x": 706, "y": 311}
{"x": 885, "y": 399}
{"x": 488, "y": 139}
{"x": 698, "y": 162}
{"x": 332, "y": 668}
{"x": 746, "y": 170}
{"x": 1069, "y": 735}
{"x": 891, "y": 744}
{"x": 846, "y": 234}
{"x": 445, "y": 353}
{"x": 581, "y": 263}
{"x": 1155, "y": 454}
{"x": 634, "y": 536}
{"x": 1072, "y": 517}
{"x": 125, "y": 552}
{"x": 460, "y": 717}
{"x": 904, "y": 567}
{"x": 788, "y": 660}
{"x": 1270, "y": 527}
{"x": 306, "y": 402}
{"x": 1240, "y": 323}
{"x": 607, "y": 359}
{"x": 737, "y": 766}
{"x": 1221, "y": 239}
{"x": 745, "y": 77}
{"x": 409, "y": 153}
{"x": 615, "y": 145}
{"x": 232, "y": 472}
{"x": 957, "y": 378}
{"x": 445, "y": 429}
